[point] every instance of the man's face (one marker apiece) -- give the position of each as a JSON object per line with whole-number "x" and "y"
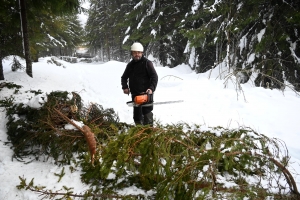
{"x": 136, "y": 55}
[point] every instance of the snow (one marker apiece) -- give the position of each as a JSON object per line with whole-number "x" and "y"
{"x": 153, "y": 32}
{"x": 207, "y": 100}
{"x": 140, "y": 24}
{"x": 261, "y": 34}
{"x": 83, "y": 17}
{"x": 195, "y": 6}
{"x": 125, "y": 39}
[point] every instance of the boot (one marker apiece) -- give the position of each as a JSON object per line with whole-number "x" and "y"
{"x": 148, "y": 119}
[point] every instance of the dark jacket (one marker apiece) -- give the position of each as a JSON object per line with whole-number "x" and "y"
{"x": 141, "y": 75}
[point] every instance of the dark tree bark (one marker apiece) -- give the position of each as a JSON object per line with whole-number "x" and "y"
{"x": 25, "y": 37}
{"x": 1, "y": 68}
{"x": 1, "y": 57}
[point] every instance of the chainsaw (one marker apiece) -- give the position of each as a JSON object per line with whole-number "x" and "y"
{"x": 145, "y": 99}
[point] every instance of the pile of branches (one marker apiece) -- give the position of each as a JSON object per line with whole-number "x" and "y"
{"x": 42, "y": 132}
{"x": 183, "y": 162}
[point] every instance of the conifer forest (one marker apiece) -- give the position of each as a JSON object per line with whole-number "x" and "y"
{"x": 247, "y": 36}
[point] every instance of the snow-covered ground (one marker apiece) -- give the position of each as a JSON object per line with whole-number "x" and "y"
{"x": 207, "y": 100}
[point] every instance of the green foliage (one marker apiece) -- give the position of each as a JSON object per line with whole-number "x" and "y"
{"x": 10, "y": 85}
{"x": 7, "y": 102}
{"x": 16, "y": 65}
{"x": 41, "y": 131}
{"x": 113, "y": 26}
{"x": 55, "y": 35}
{"x": 183, "y": 162}
{"x": 67, "y": 193}
{"x": 51, "y": 25}
{"x": 10, "y": 37}
{"x": 61, "y": 174}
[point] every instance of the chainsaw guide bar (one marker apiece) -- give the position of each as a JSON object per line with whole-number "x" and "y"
{"x": 133, "y": 104}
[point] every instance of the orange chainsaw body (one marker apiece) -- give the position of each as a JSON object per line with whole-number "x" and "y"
{"x": 141, "y": 99}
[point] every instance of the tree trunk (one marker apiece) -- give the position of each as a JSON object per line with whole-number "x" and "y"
{"x": 1, "y": 58}
{"x": 1, "y": 68}
{"x": 25, "y": 37}
{"x": 107, "y": 48}
{"x": 102, "y": 53}
{"x": 122, "y": 53}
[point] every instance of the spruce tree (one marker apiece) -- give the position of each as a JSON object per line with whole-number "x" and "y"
{"x": 9, "y": 32}
{"x": 249, "y": 36}
{"x": 106, "y": 28}
{"x": 98, "y": 27}
{"x": 156, "y": 25}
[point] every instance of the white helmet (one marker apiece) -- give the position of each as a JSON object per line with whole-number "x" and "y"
{"x": 137, "y": 47}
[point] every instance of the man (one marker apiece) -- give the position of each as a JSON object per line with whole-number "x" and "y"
{"x": 142, "y": 78}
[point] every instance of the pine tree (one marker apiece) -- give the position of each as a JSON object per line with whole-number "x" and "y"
{"x": 57, "y": 7}
{"x": 97, "y": 27}
{"x": 248, "y": 35}
{"x": 106, "y": 28}
{"x": 59, "y": 34}
{"x": 156, "y": 25}
{"x": 9, "y": 32}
